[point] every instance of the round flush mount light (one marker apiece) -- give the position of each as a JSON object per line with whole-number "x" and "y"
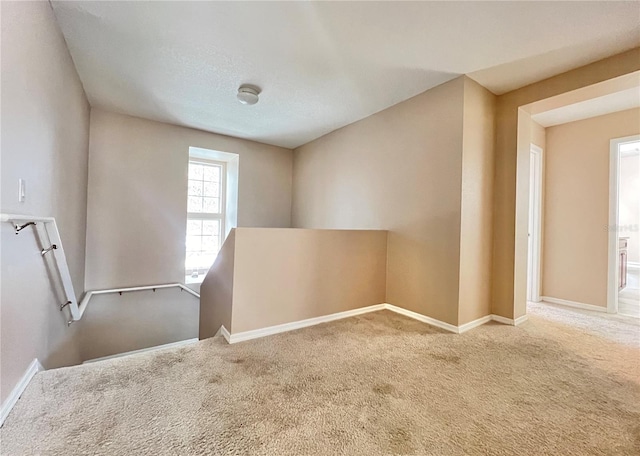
{"x": 248, "y": 95}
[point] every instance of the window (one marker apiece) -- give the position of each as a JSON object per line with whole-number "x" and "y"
{"x": 205, "y": 216}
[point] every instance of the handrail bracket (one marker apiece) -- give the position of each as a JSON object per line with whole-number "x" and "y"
{"x": 19, "y": 228}
{"x": 53, "y": 247}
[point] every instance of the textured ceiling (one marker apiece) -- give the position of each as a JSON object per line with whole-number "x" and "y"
{"x": 321, "y": 65}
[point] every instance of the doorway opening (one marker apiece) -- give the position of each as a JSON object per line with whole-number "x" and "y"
{"x": 623, "y": 289}
{"x": 553, "y": 269}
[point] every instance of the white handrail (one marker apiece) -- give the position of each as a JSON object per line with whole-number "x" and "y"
{"x": 25, "y": 218}
{"x": 53, "y": 252}
{"x": 89, "y": 294}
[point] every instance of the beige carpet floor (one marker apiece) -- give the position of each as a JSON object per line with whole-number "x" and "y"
{"x": 377, "y": 384}
{"x": 618, "y": 328}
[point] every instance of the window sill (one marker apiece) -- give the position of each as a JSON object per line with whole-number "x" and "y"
{"x": 188, "y": 280}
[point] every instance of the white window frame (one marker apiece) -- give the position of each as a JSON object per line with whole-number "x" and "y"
{"x": 210, "y": 215}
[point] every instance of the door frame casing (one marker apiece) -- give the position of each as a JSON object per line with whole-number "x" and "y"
{"x": 612, "y": 227}
{"x": 534, "y": 267}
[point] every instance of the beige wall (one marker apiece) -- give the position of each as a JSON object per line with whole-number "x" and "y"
{"x": 322, "y": 271}
{"x": 216, "y": 291}
{"x": 477, "y": 201}
{"x": 267, "y": 277}
{"x": 397, "y": 170}
{"x": 422, "y": 169}
{"x": 629, "y": 209}
{"x": 45, "y": 135}
{"x": 137, "y": 196}
{"x": 576, "y": 206}
{"x": 513, "y": 139}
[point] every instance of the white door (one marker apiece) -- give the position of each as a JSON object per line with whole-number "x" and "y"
{"x": 535, "y": 208}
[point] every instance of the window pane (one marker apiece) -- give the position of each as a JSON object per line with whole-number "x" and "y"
{"x": 194, "y": 204}
{"x": 195, "y": 188}
{"x": 211, "y": 189}
{"x": 202, "y": 243}
{"x": 211, "y": 227}
{"x": 194, "y": 227}
{"x": 195, "y": 171}
{"x": 194, "y": 243}
{"x": 204, "y": 195}
{"x": 212, "y": 173}
{"x": 193, "y": 260}
{"x": 211, "y": 205}
{"x": 209, "y": 243}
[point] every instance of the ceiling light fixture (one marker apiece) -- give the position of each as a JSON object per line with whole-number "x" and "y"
{"x": 248, "y": 95}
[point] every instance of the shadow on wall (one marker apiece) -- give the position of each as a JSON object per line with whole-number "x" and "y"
{"x": 115, "y": 323}
{"x": 423, "y": 270}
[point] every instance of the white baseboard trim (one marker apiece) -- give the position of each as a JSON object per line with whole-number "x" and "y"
{"x": 285, "y": 327}
{"x": 271, "y": 330}
{"x": 503, "y": 320}
{"x": 457, "y": 329}
{"x": 143, "y": 350}
{"x": 509, "y": 321}
{"x": 17, "y": 391}
{"x": 225, "y": 334}
{"x": 474, "y": 324}
{"x": 423, "y": 318}
{"x": 577, "y": 305}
